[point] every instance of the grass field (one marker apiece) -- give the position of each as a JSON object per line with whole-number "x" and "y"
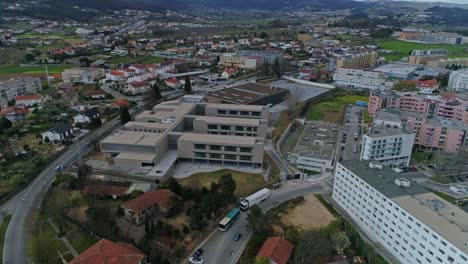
{"x": 440, "y": 179}
{"x": 81, "y": 240}
{"x": 333, "y": 109}
{"x": 247, "y": 183}
{"x": 40, "y": 69}
{"x": 3, "y": 228}
{"x": 403, "y": 48}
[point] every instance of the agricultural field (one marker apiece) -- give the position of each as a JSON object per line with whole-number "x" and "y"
{"x": 402, "y": 49}
{"x": 38, "y": 70}
{"x": 142, "y": 60}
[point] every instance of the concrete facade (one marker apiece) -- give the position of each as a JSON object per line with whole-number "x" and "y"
{"x": 18, "y": 86}
{"x": 458, "y": 81}
{"x": 83, "y": 75}
{"x": 361, "y": 79}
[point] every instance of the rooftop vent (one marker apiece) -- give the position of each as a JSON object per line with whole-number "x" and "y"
{"x": 401, "y": 182}
{"x": 435, "y": 204}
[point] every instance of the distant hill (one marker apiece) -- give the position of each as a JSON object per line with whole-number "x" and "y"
{"x": 448, "y": 16}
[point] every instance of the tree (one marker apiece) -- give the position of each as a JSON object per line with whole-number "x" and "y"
{"x": 28, "y": 57}
{"x": 227, "y": 186}
{"x": 277, "y": 68}
{"x": 255, "y": 219}
{"x": 156, "y": 91}
{"x": 313, "y": 244}
{"x": 124, "y": 115}
{"x": 263, "y": 35}
{"x": 340, "y": 241}
{"x": 196, "y": 220}
{"x": 188, "y": 85}
{"x": 4, "y": 124}
{"x": 405, "y": 86}
{"x": 174, "y": 186}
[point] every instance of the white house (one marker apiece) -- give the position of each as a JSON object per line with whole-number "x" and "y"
{"x": 86, "y": 117}
{"x": 58, "y": 134}
{"x": 28, "y": 100}
{"x": 228, "y": 73}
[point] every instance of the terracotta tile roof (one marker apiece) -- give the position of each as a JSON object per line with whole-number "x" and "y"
{"x": 277, "y": 249}
{"x": 172, "y": 80}
{"x": 121, "y": 103}
{"x": 117, "y": 73}
{"x": 28, "y": 97}
{"x": 105, "y": 190}
{"x": 108, "y": 252}
{"x": 160, "y": 197}
{"x": 13, "y": 110}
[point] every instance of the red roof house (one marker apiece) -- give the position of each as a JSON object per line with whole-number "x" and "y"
{"x": 14, "y": 113}
{"x": 138, "y": 209}
{"x": 120, "y": 103}
{"x": 108, "y": 252}
{"x": 276, "y": 249}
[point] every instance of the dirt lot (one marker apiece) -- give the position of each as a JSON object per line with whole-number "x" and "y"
{"x": 309, "y": 214}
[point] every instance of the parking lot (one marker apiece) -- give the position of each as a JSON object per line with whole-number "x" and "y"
{"x": 352, "y": 132}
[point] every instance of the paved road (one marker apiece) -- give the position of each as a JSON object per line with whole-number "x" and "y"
{"x": 22, "y": 204}
{"x": 351, "y": 128}
{"x": 221, "y": 248}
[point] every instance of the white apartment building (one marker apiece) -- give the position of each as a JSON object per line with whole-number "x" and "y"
{"x": 458, "y": 81}
{"x": 83, "y": 75}
{"x": 18, "y": 86}
{"x": 413, "y": 224}
{"x": 389, "y": 144}
{"x": 361, "y": 79}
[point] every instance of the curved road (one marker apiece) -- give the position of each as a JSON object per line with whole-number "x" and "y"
{"x": 221, "y": 248}
{"x": 14, "y": 246}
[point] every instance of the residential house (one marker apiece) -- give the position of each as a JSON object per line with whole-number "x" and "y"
{"x": 87, "y": 116}
{"x": 229, "y": 73}
{"x": 58, "y": 134}
{"x": 28, "y": 100}
{"x": 83, "y": 75}
{"x": 97, "y": 94}
{"x": 277, "y": 250}
{"x": 106, "y": 251}
{"x": 14, "y": 113}
{"x": 173, "y": 83}
{"x": 145, "y": 205}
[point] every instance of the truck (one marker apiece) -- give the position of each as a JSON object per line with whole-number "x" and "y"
{"x": 254, "y": 199}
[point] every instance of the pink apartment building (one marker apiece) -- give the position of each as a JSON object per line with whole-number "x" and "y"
{"x": 446, "y": 105}
{"x": 431, "y": 134}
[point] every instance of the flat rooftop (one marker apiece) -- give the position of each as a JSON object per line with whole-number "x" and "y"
{"x": 134, "y": 156}
{"x": 400, "y": 68}
{"x": 444, "y": 218}
{"x": 230, "y": 120}
{"x": 385, "y": 130}
{"x": 133, "y": 138}
{"x": 133, "y": 124}
{"x": 164, "y": 112}
{"x": 248, "y": 93}
{"x": 219, "y": 139}
{"x": 318, "y": 140}
{"x": 236, "y": 107}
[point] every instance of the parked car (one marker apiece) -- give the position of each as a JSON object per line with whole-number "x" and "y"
{"x": 193, "y": 260}
{"x": 198, "y": 253}
{"x": 237, "y": 237}
{"x": 413, "y": 169}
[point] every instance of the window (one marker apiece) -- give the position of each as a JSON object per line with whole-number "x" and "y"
{"x": 245, "y": 158}
{"x": 200, "y": 155}
{"x": 215, "y": 147}
{"x": 255, "y": 113}
{"x": 239, "y": 128}
{"x": 199, "y": 146}
{"x": 212, "y": 126}
{"x": 246, "y": 149}
{"x": 230, "y": 148}
{"x": 221, "y": 112}
{"x": 230, "y": 157}
{"x": 225, "y": 127}
{"x": 215, "y": 156}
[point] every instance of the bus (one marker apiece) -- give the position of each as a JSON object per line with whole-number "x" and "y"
{"x": 229, "y": 219}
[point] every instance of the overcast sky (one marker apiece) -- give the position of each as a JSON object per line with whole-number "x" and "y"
{"x": 447, "y": 1}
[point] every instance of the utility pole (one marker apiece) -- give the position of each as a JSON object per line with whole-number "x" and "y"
{"x": 47, "y": 74}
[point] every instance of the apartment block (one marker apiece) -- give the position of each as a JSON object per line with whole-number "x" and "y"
{"x": 359, "y": 60}
{"x": 447, "y": 106}
{"x": 411, "y": 223}
{"x": 430, "y": 134}
{"x": 458, "y": 81}
{"x": 388, "y": 143}
{"x": 425, "y": 56}
{"x": 242, "y": 62}
{"x": 83, "y": 75}
{"x": 189, "y": 131}
{"x": 361, "y": 79}
{"x": 268, "y": 56}
{"x": 18, "y": 86}
{"x": 432, "y": 37}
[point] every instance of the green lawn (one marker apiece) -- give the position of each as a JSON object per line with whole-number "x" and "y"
{"x": 403, "y": 48}
{"x": 3, "y": 229}
{"x": 247, "y": 183}
{"x": 40, "y": 69}
{"x": 333, "y": 109}
{"x": 441, "y": 179}
{"x": 81, "y": 240}
{"x": 367, "y": 117}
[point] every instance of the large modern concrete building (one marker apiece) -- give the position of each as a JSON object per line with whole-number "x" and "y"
{"x": 317, "y": 148}
{"x": 359, "y": 60}
{"x": 18, "y": 86}
{"x": 425, "y": 56}
{"x": 414, "y": 225}
{"x": 400, "y": 71}
{"x": 248, "y": 94}
{"x": 361, "y": 79}
{"x": 268, "y": 56}
{"x": 178, "y": 130}
{"x": 388, "y": 143}
{"x": 432, "y": 37}
{"x": 243, "y": 62}
{"x": 458, "y": 81}
{"x": 83, "y": 75}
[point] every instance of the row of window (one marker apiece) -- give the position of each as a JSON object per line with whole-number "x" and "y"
{"x": 223, "y": 148}
{"x": 236, "y": 128}
{"x": 241, "y": 113}
{"x": 222, "y": 156}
